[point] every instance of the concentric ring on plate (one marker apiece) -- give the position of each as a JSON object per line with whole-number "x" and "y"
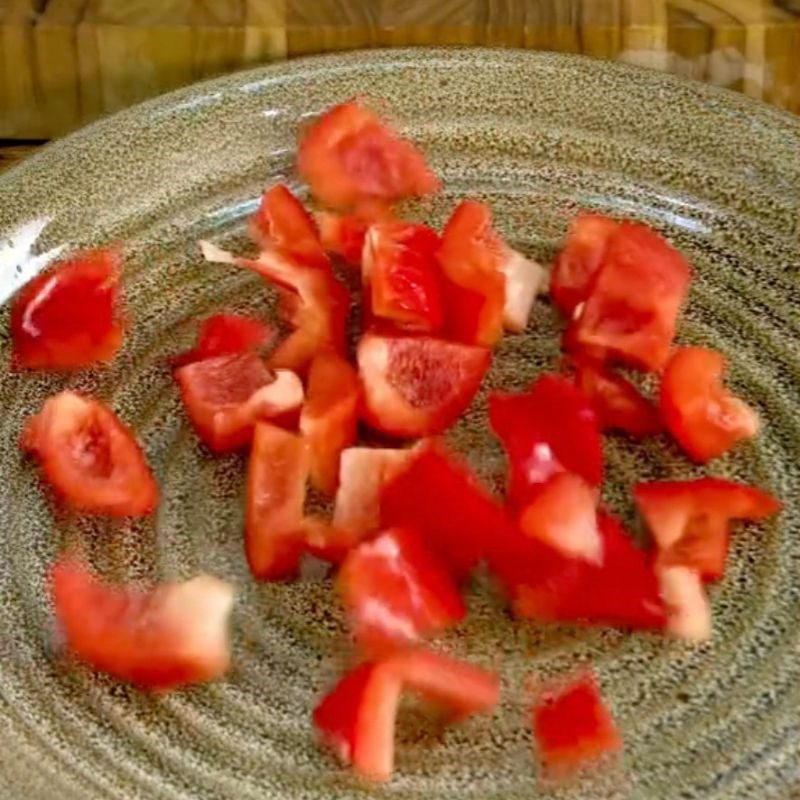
{"x": 539, "y": 136}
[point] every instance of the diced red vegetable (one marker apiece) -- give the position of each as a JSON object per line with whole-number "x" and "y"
{"x": 329, "y": 416}
{"x": 546, "y": 586}
{"x": 471, "y": 255}
{"x": 438, "y": 496}
{"x": 686, "y": 602}
{"x": 343, "y": 235}
{"x": 690, "y": 520}
{"x": 350, "y": 156}
{"x": 276, "y": 490}
{"x": 705, "y": 419}
{"x": 396, "y": 592}
{"x": 551, "y": 428}
{"x": 563, "y": 514}
{"x": 619, "y": 405}
{"x": 227, "y": 335}
{"x": 524, "y": 279}
{"x": 225, "y": 396}
{"x": 357, "y": 718}
{"x": 69, "y": 317}
{"x": 580, "y": 258}
{"x": 417, "y": 386}
{"x": 363, "y": 472}
{"x": 90, "y": 458}
{"x": 636, "y": 295}
{"x": 282, "y": 221}
{"x": 160, "y": 638}
{"x": 317, "y": 303}
{"x": 572, "y": 725}
{"x": 402, "y": 275}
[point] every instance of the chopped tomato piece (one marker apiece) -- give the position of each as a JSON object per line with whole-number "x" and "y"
{"x": 363, "y": 472}
{"x": 546, "y": 586}
{"x": 225, "y": 396}
{"x": 417, "y": 386}
{"x": 572, "y": 725}
{"x": 551, "y": 428}
{"x": 563, "y": 514}
{"x": 357, "y": 718}
{"x": 438, "y": 496}
{"x": 524, "y": 279}
{"x": 688, "y": 609}
{"x": 69, "y": 317}
{"x": 403, "y": 276}
{"x": 160, "y": 638}
{"x": 580, "y": 258}
{"x": 705, "y": 419}
{"x": 276, "y": 491}
{"x": 619, "y": 405}
{"x": 690, "y": 520}
{"x": 226, "y": 335}
{"x": 318, "y": 304}
{"x": 282, "y": 221}
{"x": 90, "y": 458}
{"x": 636, "y": 295}
{"x": 472, "y": 256}
{"x": 350, "y": 156}
{"x": 329, "y": 417}
{"x": 396, "y": 592}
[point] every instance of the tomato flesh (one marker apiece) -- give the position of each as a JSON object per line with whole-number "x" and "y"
{"x": 225, "y": 396}
{"x": 350, "y": 156}
{"x": 396, "y": 592}
{"x": 329, "y": 417}
{"x": 636, "y": 295}
{"x": 417, "y": 386}
{"x": 69, "y": 317}
{"x": 572, "y": 726}
{"x": 705, "y": 419}
{"x": 90, "y": 458}
{"x": 159, "y": 638}
{"x": 551, "y": 428}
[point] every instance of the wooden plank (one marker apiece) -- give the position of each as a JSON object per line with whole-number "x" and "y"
{"x": 19, "y": 109}
{"x": 601, "y": 28}
{"x": 553, "y": 25}
{"x": 645, "y": 33}
{"x": 265, "y": 36}
{"x": 14, "y": 152}
{"x": 689, "y": 42}
{"x": 420, "y": 22}
{"x": 316, "y": 26}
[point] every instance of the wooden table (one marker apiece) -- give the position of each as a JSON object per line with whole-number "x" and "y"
{"x": 66, "y": 62}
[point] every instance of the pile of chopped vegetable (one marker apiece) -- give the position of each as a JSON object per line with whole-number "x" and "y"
{"x": 410, "y": 522}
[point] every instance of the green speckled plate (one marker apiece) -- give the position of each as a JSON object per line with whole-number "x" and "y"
{"x": 538, "y": 136}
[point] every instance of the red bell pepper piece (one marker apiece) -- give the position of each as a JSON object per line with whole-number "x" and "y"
{"x": 686, "y": 602}
{"x": 329, "y": 417}
{"x": 690, "y": 520}
{"x": 704, "y": 418}
{"x": 396, "y": 592}
{"x": 572, "y": 726}
{"x": 551, "y": 428}
{"x": 227, "y": 335}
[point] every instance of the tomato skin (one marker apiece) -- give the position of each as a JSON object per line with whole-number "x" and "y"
{"x": 276, "y": 489}
{"x": 90, "y": 458}
{"x": 282, "y": 222}
{"x": 69, "y": 317}
{"x": 619, "y": 405}
{"x": 397, "y": 592}
{"x": 551, "y": 428}
{"x": 464, "y": 519}
{"x": 329, "y": 416}
{"x": 160, "y": 638}
{"x": 572, "y": 726}
{"x": 417, "y": 386}
{"x": 472, "y": 256}
{"x": 690, "y": 520}
{"x": 704, "y": 418}
{"x": 350, "y": 156}
{"x": 224, "y": 397}
{"x": 403, "y": 276}
{"x": 576, "y": 265}
{"x": 357, "y": 717}
{"x": 636, "y": 295}
{"x": 226, "y": 335}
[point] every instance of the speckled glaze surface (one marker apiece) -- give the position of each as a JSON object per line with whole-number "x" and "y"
{"x": 539, "y": 136}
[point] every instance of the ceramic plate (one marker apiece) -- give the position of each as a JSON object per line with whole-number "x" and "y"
{"x": 539, "y": 136}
